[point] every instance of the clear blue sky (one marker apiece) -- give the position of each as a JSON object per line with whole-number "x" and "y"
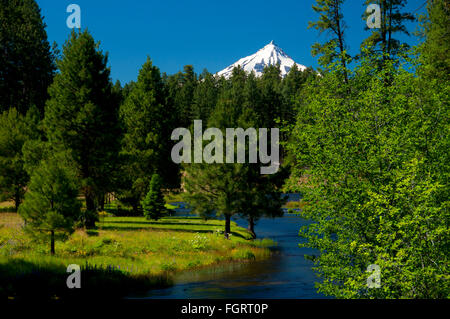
{"x": 207, "y": 34}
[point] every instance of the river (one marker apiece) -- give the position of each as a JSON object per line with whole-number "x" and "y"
{"x": 286, "y": 275}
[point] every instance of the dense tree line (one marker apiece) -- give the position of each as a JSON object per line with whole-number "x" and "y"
{"x": 116, "y": 138}
{"x": 27, "y": 61}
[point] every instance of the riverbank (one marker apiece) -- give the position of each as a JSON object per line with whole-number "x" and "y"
{"x": 123, "y": 255}
{"x": 287, "y": 274}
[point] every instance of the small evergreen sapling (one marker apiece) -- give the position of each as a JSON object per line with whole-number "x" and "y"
{"x": 153, "y": 203}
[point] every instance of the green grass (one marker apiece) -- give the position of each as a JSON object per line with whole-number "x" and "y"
{"x": 134, "y": 253}
{"x": 293, "y": 204}
{"x": 7, "y": 207}
{"x": 172, "y": 197}
{"x": 169, "y": 206}
{"x": 186, "y": 224}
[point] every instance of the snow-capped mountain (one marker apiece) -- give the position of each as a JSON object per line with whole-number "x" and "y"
{"x": 271, "y": 54}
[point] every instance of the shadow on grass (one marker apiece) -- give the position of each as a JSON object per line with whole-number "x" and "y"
{"x": 159, "y": 223}
{"x": 106, "y": 227}
{"x": 21, "y": 279}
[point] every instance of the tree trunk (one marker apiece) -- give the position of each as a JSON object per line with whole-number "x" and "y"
{"x": 90, "y": 211}
{"x": 16, "y": 205}
{"x": 135, "y": 206}
{"x": 17, "y": 201}
{"x": 251, "y": 226}
{"x": 52, "y": 243}
{"x": 227, "y": 226}
{"x": 102, "y": 203}
{"x": 340, "y": 35}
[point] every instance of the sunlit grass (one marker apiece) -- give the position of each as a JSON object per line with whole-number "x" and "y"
{"x": 132, "y": 246}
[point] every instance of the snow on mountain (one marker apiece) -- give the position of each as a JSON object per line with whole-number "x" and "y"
{"x": 271, "y": 54}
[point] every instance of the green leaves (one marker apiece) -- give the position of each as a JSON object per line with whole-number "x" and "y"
{"x": 375, "y": 191}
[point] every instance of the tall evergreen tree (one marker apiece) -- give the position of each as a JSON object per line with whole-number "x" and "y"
{"x": 148, "y": 124}
{"x": 15, "y": 131}
{"x": 205, "y": 192}
{"x": 180, "y": 93}
{"x": 27, "y": 63}
{"x": 82, "y": 117}
{"x": 240, "y": 188}
{"x": 205, "y": 96}
{"x": 393, "y": 21}
{"x": 271, "y": 103}
{"x": 253, "y": 99}
{"x": 331, "y": 20}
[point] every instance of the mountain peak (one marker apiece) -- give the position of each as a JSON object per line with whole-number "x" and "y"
{"x": 271, "y": 54}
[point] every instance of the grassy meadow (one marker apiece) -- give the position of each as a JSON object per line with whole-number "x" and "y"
{"x": 122, "y": 255}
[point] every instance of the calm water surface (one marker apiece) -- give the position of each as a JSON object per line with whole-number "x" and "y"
{"x": 286, "y": 275}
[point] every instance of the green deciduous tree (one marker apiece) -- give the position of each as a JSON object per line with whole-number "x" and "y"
{"x": 51, "y": 206}
{"x": 435, "y": 49}
{"x": 371, "y": 188}
{"x": 82, "y": 116}
{"x": 26, "y": 59}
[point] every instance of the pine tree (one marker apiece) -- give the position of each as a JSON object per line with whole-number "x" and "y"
{"x": 206, "y": 193}
{"x": 180, "y": 94}
{"x": 435, "y": 49}
{"x": 292, "y": 86}
{"x": 148, "y": 123}
{"x": 241, "y": 189}
{"x": 393, "y": 20}
{"x": 51, "y": 206}
{"x": 15, "y": 131}
{"x": 82, "y": 117}
{"x": 205, "y": 96}
{"x": 253, "y": 98}
{"x": 332, "y": 21}
{"x": 270, "y": 108}
{"x": 153, "y": 204}
{"x": 27, "y": 63}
